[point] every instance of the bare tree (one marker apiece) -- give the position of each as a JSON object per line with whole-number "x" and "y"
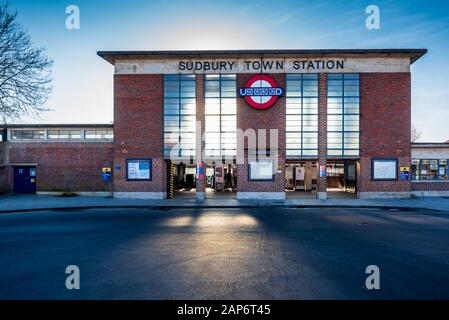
{"x": 416, "y": 133}
{"x": 25, "y": 71}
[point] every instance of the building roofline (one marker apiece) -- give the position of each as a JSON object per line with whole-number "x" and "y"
{"x": 111, "y": 56}
{"x": 431, "y": 144}
{"x": 70, "y": 125}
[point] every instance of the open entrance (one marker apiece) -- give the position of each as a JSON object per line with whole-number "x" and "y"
{"x": 341, "y": 179}
{"x": 221, "y": 181}
{"x": 181, "y": 180}
{"x": 301, "y": 179}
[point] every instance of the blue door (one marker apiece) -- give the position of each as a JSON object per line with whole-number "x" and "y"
{"x": 24, "y": 179}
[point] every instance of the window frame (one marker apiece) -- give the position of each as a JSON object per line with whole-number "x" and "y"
{"x": 150, "y": 162}
{"x": 343, "y": 132}
{"x": 96, "y": 134}
{"x": 395, "y": 160}
{"x": 70, "y": 133}
{"x": 223, "y": 153}
{"x": 40, "y": 136}
{"x": 300, "y": 134}
{"x": 179, "y": 129}
{"x": 257, "y": 161}
{"x": 438, "y": 176}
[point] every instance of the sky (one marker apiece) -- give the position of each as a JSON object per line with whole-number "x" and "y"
{"x": 83, "y": 81}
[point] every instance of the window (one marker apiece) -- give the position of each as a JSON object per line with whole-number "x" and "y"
{"x": 27, "y": 134}
{"x": 261, "y": 170}
{"x": 442, "y": 170}
{"x": 415, "y": 170}
{"x": 425, "y": 169}
{"x": 302, "y": 115}
{"x": 138, "y": 169}
{"x": 179, "y": 116}
{"x": 384, "y": 169}
{"x": 99, "y": 134}
{"x": 64, "y": 134}
{"x": 220, "y": 116}
{"x": 343, "y": 114}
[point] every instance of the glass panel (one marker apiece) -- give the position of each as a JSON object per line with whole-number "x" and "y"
{"x": 221, "y": 119}
{"x": 179, "y": 114}
{"x": 75, "y": 134}
{"x": 52, "y": 134}
{"x": 302, "y": 115}
{"x": 343, "y": 113}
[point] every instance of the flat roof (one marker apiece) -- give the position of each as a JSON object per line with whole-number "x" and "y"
{"x": 52, "y": 125}
{"x": 430, "y": 145}
{"x": 413, "y": 54}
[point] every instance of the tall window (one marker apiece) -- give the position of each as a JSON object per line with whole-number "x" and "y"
{"x": 179, "y": 116}
{"x": 343, "y": 97}
{"x": 302, "y": 116}
{"x": 220, "y": 116}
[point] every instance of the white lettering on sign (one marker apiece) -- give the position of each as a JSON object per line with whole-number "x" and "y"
{"x": 245, "y": 65}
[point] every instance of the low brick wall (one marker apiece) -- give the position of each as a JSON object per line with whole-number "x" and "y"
{"x": 4, "y": 180}
{"x": 430, "y": 186}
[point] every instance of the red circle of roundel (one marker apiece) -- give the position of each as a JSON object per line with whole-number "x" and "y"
{"x": 261, "y": 105}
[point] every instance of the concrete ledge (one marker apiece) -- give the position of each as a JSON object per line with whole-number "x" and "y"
{"x": 104, "y": 194}
{"x": 140, "y": 195}
{"x": 321, "y": 195}
{"x": 261, "y": 195}
{"x": 200, "y": 195}
{"x": 383, "y": 195}
{"x": 430, "y": 193}
{"x": 30, "y": 203}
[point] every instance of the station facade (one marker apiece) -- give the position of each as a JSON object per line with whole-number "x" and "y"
{"x": 253, "y": 124}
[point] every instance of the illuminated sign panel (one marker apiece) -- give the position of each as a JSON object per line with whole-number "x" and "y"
{"x": 261, "y": 91}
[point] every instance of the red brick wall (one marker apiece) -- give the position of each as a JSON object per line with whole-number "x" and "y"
{"x": 385, "y": 121}
{"x": 322, "y": 130}
{"x": 65, "y": 166}
{"x": 4, "y": 180}
{"x": 4, "y": 174}
{"x": 430, "y": 186}
{"x": 272, "y": 118}
{"x": 138, "y": 129}
{"x": 200, "y": 118}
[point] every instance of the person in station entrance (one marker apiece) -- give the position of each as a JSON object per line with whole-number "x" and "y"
{"x": 228, "y": 178}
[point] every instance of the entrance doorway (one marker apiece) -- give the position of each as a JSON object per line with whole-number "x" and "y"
{"x": 301, "y": 179}
{"x": 221, "y": 181}
{"x": 182, "y": 180}
{"x": 341, "y": 179}
{"x": 25, "y": 179}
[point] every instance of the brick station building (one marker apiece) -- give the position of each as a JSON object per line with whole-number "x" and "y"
{"x": 334, "y": 122}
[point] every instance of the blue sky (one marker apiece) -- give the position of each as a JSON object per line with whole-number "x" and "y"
{"x": 83, "y": 81}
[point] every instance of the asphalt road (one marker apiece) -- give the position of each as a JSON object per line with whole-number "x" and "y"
{"x": 260, "y": 253}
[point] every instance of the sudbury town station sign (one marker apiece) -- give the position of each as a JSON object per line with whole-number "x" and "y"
{"x": 162, "y": 65}
{"x": 259, "y": 65}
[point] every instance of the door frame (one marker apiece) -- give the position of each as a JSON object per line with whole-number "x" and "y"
{"x": 25, "y": 166}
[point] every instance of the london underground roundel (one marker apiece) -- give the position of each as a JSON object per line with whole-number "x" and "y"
{"x": 261, "y": 91}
